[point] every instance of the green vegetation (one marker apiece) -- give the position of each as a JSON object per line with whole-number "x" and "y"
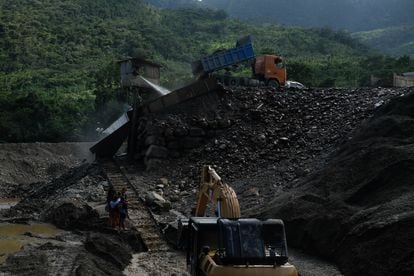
{"x": 385, "y": 25}
{"x": 59, "y": 77}
{"x": 395, "y": 41}
{"x": 352, "y": 15}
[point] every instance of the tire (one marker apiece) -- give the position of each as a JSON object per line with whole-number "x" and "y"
{"x": 274, "y": 84}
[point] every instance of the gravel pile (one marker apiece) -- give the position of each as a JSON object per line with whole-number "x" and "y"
{"x": 273, "y": 137}
{"x": 358, "y": 209}
{"x": 29, "y": 164}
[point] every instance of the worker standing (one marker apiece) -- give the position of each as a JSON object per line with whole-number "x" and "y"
{"x": 123, "y": 213}
{"x": 123, "y": 208}
{"x": 114, "y": 211}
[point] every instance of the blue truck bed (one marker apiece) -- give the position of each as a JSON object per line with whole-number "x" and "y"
{"x": 223, "y": 59}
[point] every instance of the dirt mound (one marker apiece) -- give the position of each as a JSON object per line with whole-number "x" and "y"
{"x": 100, "y": 254}
{"x": 70, "y": 216}
{"x": 76, "y": 186}
{"x": 275, "y": 138}
{"x": 265, "y": 143}
{"x": 23, "y": 163}
{"x": 358, "y": 209}
{"x": 92, "y": 248}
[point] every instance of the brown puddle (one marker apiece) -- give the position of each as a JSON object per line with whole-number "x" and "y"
{"x": 7, "y": 247}
{"x": 14, "y": 229}
{"x": 12, "y": 237}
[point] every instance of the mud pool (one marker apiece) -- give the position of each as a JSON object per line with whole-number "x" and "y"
{"x": 14, "y": 237}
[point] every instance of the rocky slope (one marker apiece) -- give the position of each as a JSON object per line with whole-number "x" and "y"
{"x": 350, "y": 205}
{"x": 84, "y": 245}
{"x": 275, "y": 137}
{"x": 22, "y": 164}
{"x": 343, "y": 190}
{"x": 358, "y": 209}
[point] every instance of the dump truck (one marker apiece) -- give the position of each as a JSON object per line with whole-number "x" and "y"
{"x": 267, "y": 70}
{"x": 226, "y": 244}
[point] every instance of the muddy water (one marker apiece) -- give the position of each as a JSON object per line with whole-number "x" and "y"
{"x": 41, "y": 229}
{"x": 7, "y": 247}
{"x": 13, "y": 238}
{"x": 7, "y": 203}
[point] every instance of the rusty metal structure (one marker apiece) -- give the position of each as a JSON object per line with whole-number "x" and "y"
{"x": 135, "y": 74}
{"x": 131, "y": 68}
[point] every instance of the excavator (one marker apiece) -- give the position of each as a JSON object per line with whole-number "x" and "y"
{"x": 225, "y": 244}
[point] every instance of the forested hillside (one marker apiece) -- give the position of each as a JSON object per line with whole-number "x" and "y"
{"x": 59, "y": 78}
{"x": 173, "y": 4}
{"x": 395, "y": 41}
{"x": 353, "y": 15}
{"x": 383, "y": 24}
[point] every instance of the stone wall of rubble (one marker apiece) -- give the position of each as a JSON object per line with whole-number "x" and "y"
{"x": 178, "y": 129}
{"x": 265, "y": 124}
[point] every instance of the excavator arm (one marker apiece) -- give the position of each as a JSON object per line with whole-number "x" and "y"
{"x": 213, "y": 189}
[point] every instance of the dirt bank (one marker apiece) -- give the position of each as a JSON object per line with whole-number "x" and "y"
{"x": 358, "y": 209}
{"x": 264, "y": 144}
{"x": 267, "y": 143}
{"x": 22, "y": 164}
{"x": 276, "y": 138}
{"x": 83, "y": 244}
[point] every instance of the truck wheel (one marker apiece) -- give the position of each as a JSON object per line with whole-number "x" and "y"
{"x": 274, "y": 84}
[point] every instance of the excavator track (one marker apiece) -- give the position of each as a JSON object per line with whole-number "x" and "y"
{"x": 140, "y": 216}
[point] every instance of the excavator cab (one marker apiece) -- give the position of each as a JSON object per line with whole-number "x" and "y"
{"x": 237, "y": 247}
{"x": 227, "y": 244}
{"x": 251, "y": 241}
{"x": 202, "y": 234}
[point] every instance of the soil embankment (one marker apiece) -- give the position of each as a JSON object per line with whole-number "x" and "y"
{"x": 22, "y": 164}
{"x": 266, "y": 144}
{"x": 358, "y": 209}
{"x": 343, "y": 190}
{"x": 259, "y": 140}
{"x": 82, "y": 244}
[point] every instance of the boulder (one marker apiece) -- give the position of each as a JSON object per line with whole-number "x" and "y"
{"x": 151, "y": 197}
{"x": 152, "y": 163}
{"x": 73, "y": 215}
{"x": 197, "y": 132}
{"x": 156, "y": 152}
{"x": 154, "y": 140}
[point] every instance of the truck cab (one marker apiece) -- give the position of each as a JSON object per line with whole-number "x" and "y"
{"x": 270, "y": 69}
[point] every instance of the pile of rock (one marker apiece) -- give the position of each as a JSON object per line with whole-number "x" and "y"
{"x": 170, "y": 136}
{"x": 272, "y": 147}
{"x": 276, "y": 137}
{"x": 262, "y": 123}
{"x": 71, "y": 202}
{"x": 358, "y": 209}
{"x": 261, "y": 128}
